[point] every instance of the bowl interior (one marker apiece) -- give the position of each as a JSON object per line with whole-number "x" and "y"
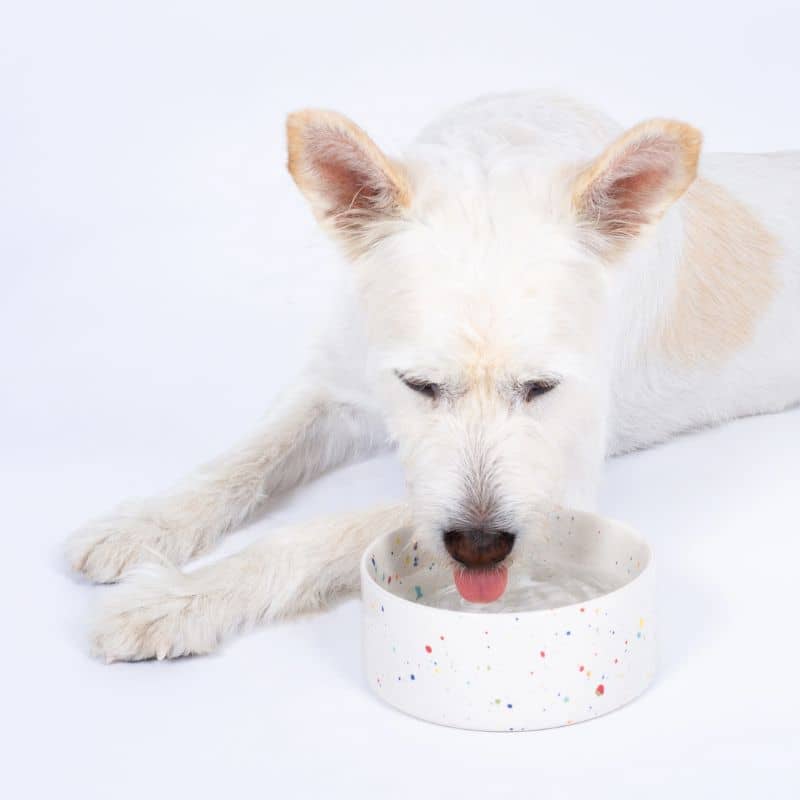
{"x": 576, "y": 557}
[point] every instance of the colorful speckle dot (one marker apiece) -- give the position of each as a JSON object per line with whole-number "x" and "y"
{"x": 418, "y": 592}
{"x": 541, "y": 653}
{"x": 428, "y": 648}
{"x": 413, "y": 678}
{"x": 600, "y": 690}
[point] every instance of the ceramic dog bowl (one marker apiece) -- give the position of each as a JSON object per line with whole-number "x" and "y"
{"x": 552, "y": 664}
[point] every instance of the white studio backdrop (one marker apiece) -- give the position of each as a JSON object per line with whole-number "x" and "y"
{"x": 162, "y": 280}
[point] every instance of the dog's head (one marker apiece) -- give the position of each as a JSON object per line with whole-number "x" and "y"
{"x": 486, "y": 294}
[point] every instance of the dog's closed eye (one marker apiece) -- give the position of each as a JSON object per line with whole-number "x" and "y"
{"x": 427, "y": 388}
{"x": 533, "y": 389}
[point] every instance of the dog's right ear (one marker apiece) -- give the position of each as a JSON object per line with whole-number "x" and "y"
{"x": 349, "y": 182}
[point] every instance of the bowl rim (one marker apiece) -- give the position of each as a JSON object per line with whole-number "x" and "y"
{"x": 645, "y": 573}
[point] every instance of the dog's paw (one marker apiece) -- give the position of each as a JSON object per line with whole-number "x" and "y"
{"x": 105, "y": 548}
{"x": 156, "y": 612}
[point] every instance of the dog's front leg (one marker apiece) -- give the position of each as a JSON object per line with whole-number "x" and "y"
{"x": 311, "y": 431}
{"x": 161, "y": 612}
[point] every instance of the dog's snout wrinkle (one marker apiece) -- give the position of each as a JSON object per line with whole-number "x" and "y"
{"x": 478, "y": 548}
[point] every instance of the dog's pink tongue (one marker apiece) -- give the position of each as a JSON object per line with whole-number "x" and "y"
{"x": 481, "y": 585}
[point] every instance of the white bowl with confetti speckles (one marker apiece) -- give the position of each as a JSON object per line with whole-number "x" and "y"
{"x": 578, "y": 642}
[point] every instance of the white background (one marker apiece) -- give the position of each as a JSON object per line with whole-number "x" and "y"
{"x": 161, "y": 280}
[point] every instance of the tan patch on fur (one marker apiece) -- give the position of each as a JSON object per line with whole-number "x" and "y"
{"x": 725, "y": 281}
{"x": 634, "y": 181}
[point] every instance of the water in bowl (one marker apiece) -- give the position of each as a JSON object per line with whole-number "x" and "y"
{"x": 538, "y": 588}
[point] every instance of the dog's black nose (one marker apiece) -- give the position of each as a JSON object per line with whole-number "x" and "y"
{"x": 478, "y": 548}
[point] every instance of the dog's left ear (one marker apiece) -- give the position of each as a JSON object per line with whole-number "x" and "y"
{"x": 348, "y": 181}
{"x": 634, "y": 181}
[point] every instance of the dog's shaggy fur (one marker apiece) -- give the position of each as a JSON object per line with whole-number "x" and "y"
{"x": 535, "y": 289}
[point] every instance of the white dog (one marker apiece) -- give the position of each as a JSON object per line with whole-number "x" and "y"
{"x": 535, "y": 290}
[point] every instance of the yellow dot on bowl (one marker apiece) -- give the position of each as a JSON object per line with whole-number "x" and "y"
{"x": 641, "y": 622}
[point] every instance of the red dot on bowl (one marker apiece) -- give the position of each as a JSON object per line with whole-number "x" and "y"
{"x": 428, "y": 648}
{"x": 541, "y": 653}
{"x": 600, "y": 690}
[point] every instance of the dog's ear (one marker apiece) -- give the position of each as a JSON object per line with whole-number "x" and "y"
{"x": 634, "y": 181}
{"x": 348, "y": 181}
